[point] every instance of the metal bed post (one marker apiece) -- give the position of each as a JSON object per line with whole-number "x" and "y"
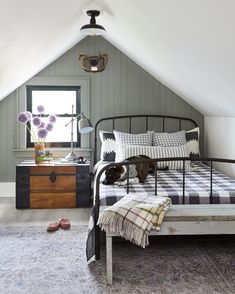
{"x": 211, "y": 188}
{"x": 155, "y": 173}
{"x": 97, "y": 242}
{"x": 146, "y": 123}
{"x": 97, "y": 208}
{"x": 183, "y": 200}
{"x": 128, "y": 178}
{"x": 95, "y": 149}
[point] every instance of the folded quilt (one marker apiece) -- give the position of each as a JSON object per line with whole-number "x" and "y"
{"x": 134, "y": 216}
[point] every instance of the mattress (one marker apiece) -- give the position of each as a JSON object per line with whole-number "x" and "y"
{"x": 170, "y": 184}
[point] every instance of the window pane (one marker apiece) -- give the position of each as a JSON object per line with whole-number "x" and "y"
{"x": 59, "y": 102}
{"x": 60, "y": 133}
{"x": 56, "y": 100}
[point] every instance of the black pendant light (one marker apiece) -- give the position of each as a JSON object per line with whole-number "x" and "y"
{"x": 93, "y": 29}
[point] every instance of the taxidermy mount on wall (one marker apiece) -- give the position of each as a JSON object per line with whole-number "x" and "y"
{"x": 93, "y": 63}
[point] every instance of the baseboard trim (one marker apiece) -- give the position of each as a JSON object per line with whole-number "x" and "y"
{"x": 7, "y": 189}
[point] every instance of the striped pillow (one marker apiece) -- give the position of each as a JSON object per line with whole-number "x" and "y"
{"x": 127, "y": 151}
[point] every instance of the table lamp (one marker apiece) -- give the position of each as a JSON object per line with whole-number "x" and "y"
{"x": 84, "y": 127}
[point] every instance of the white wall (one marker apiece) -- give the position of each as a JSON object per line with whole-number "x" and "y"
{"x": 220, "y": 141}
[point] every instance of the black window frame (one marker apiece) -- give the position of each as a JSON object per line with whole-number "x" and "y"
{"x": 30, "y": 89}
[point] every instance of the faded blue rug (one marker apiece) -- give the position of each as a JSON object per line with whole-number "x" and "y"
{"x": 33, "y": 261}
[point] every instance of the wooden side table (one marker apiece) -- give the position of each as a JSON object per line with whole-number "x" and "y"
{"x": 53, "y": 185}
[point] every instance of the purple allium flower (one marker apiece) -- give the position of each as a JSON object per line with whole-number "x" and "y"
{"x": 29, "y": 114}
{"x": 52, "y": 118}
{"x": 36, "y": 121}
{"x": 42, "y": 125}
{"x": 42, "y": 133}
{"x": 49, "y": 127}
{"x": 23, "y": 118}
{"x": 40, "y": 108}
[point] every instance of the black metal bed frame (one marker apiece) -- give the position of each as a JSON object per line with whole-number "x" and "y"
{"x": 155, "y": 161}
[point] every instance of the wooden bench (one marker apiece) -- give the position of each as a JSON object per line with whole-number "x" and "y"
{"x": 203, "y": 219}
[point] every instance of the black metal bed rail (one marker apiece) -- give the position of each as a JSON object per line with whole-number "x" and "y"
{"x": 129, "y": 117}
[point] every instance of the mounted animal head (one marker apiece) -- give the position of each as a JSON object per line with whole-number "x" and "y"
{"x": 93, "y": 63}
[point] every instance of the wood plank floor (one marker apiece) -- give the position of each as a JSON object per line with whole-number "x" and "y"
{"x": 10, "y": 216}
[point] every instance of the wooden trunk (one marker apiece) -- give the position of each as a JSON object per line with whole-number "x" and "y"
{"x": 52, "y": 186}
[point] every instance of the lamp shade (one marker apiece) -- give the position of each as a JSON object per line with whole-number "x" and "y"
{"x": 92, "y": 30}
{"x": 84, "y": 125}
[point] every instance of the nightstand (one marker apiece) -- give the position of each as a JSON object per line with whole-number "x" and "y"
{"x": 53, "y": 185}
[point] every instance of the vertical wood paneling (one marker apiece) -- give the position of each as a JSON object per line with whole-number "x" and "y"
{"x": 123, "y": 82}
{"x": 133, "y": 87}
{"x": 122, "y": 88}
{"x": 116, "y": 91}
{"x": 7, "y": 131}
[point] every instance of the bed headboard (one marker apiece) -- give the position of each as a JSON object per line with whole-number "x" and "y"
{"x": 147, "y": 122}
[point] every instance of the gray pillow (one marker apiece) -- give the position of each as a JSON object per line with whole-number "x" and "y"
{"x": 133, "y": 139}
{"x": 144, "y": 139}
{"x": 169, "y": 139}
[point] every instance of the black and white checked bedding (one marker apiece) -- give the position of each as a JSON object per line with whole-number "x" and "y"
{"x": 170, "y": 183}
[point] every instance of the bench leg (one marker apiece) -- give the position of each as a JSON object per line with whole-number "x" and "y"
{"x": 109, "y": 260}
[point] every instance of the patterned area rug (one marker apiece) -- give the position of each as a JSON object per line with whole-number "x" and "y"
{"x": 33, "y": 261}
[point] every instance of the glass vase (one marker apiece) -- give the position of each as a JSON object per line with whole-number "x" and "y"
{"x": 38, "y": 147}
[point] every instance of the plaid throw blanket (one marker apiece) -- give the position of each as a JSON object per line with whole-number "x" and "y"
{"x": 134, "y": 216}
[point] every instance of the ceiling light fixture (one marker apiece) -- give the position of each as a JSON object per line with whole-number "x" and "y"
{"x": 92, "y": 28}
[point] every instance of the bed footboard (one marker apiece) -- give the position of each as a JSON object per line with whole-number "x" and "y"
{"x": 186, "y": 220}
{"x": 155, "y": 161}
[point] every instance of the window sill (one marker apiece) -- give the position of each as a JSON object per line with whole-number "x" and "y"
{"x": 57, "y": 152}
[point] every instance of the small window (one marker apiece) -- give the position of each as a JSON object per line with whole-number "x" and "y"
{"x": 57, "y": 100}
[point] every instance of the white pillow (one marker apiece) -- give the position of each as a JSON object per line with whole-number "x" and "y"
{"x": 126, "y": 151}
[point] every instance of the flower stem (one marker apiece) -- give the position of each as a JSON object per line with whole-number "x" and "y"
{"x": 32, "y": 133}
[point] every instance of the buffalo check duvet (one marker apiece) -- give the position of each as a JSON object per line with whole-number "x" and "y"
{"x": 170, "y": 184}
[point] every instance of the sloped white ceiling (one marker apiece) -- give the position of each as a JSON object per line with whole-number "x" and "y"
{"x": 188, "y": 45}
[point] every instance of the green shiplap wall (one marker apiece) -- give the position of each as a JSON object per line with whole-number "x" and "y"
{"x": 122, "y": 88}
